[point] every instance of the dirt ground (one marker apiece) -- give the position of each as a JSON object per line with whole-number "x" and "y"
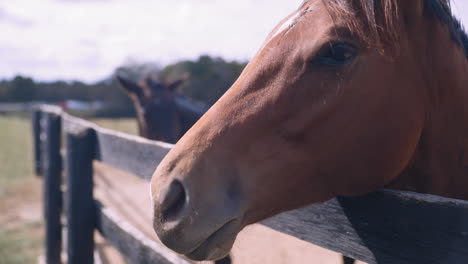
{"x": 21, "y": 228}
{"x": 128, "y": 196}
{"x": 24, "y": 206}
{"x": 256, "y": 244}
{"x": 21, "y": 225}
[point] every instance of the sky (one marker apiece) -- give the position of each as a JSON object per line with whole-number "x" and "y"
{"x": 87, "y": 39}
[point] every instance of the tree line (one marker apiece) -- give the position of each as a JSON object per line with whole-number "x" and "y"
{"x": 207, "y": 79}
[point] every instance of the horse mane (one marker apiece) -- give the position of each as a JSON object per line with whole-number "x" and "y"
{"x": 377, "y": 21}
{"x": 442, "y": 10}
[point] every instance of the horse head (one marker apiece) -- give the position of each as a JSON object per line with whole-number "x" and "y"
{"x": 344, "y": 97}
{"x": 154, "y": 101}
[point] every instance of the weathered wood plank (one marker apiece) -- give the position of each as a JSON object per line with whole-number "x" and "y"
{"x": 51, "y": 169}
{"x": 130, "y": 153}
{"x": 384, "y": 227}
{"x": 36, "y": 133}
{"x": 133, "y": 154}
{"x": 132, "y": 243}
{"x": 79, "y": 198}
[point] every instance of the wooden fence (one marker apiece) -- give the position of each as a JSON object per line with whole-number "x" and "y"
{"x": 382, "y": 227}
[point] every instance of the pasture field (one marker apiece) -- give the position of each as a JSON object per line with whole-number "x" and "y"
{"x": 126, "y": 125}
{"x": 21, "y": 227}
{"x": 20, "y": 193}
{"x": 16, "y": 160}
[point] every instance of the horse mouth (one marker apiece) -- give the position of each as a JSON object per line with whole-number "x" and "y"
{"x": 217, "y": 245}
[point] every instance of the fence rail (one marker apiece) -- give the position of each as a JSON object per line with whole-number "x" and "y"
{"x": 382, "y": 227}
{"x": 132, "y": 243}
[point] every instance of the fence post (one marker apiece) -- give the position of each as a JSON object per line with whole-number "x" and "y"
{"x": 52, "y": 171}
{"x": 79, "y": 198}
{"x": 36, "y": 131}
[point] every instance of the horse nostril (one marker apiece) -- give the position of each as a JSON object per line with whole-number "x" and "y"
{"x": 173, "y": 201}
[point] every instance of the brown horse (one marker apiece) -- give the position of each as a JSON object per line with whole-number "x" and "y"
{"x": 162, "y": 114}
{"x": 344, "y": 97}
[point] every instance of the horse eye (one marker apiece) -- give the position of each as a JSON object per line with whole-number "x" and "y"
{"x": 337, "y": 54}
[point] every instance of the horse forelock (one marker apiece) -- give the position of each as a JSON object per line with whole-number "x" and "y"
{"x": 378, "y": 22}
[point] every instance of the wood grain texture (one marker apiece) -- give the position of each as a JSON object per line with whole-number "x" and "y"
{"x": 130, "y": 153}
{"x": 79, "y": 196}
{"x": 384, "y": 227}
{"x": 51, "y": 168}
{"x": 36, "y": 134}
{"x": 132, "y": 243}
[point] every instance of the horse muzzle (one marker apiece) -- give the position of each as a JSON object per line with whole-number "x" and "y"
{"x": 191, "y": 221}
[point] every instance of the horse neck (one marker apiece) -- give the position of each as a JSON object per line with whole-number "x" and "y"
{"x": 189, "y": 112}
{"x": 142, "y": 127}
{"x": 440, "y": 164}
{"x": 141, "y": 122}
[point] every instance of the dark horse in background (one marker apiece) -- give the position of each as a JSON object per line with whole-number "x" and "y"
{"x": 162, "y": 114}
{"x": 344, "y": 97}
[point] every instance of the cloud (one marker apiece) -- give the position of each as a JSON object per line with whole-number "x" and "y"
{"x": 6, "y": 17}
{"x": 460, "y": 9}
{"x": 81, "y": 1}
{"x": 88, "y": 39}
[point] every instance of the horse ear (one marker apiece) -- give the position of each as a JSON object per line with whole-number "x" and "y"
{"x": 173, "y": 85}
{"x": 129, "y": 85}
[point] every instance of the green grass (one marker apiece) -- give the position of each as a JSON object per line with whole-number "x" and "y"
{"x": 21, "y": 242}
{"x": 126, "y": 125}
{"x": 18, "y": 246}
{"x": 16, "y": 155}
